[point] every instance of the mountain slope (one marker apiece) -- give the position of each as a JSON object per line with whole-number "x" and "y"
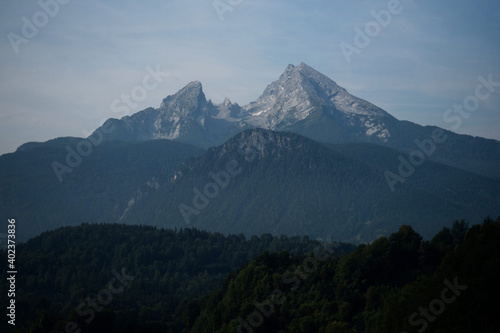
{"x": 184, "y": 117}
{"x": 305, "y": 189}
{"x": 302, "y": 94}
{"x": 97, "y": 190}
{"x": 262, "y": 181}
{"x": 308, "y": 103}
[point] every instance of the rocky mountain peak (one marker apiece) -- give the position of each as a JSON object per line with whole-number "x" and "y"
{"x": 188, "y": 99}
{"x": 292, "y": 97}
{"x": 231, "y": 112}
{"x": 302, "y": 100}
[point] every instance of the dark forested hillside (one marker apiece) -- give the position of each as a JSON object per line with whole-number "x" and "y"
{"x": 262, "y": 181}
{"x": 157, "y": 273}
{"x": 97, "y": 189}
{"x": 395, "y": 284}
{"x": 116, "y": 278}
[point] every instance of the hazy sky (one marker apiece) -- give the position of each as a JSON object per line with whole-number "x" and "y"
{"x": 84, "y": 55}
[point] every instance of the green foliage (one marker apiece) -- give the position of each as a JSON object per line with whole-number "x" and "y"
{"x": 474, "y": 263}
{"x": 192, "y": 281}
{"x": 373, "y": 289}
{"x": 59, "y": 270}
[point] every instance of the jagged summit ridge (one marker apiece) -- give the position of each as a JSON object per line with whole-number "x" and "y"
{"x": 291, "y": 98}
{"x": 300, "y": 95}
{"x": 302, "y": 91}
{"x": 186, "y": 101}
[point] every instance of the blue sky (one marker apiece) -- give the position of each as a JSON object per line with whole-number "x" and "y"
{"x": 63, "y": 80}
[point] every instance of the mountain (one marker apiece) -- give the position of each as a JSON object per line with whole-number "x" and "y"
{"x": 263, "y": 181}
{"x": 305, "y": 102}
{"x": 98, "y": 189}
{"x": 259, "y": 181}
{"x": 185, "y": 117}
{"x": 335, "y": 180}
{"x": 309, "y": 103}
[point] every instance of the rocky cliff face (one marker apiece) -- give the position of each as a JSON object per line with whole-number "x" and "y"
{"x": 186, "y": 117}
{"x": 301, "y": 93}
{"x": 305, "y": 102}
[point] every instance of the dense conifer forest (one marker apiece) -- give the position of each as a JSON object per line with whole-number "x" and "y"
{"x": 117, "y": 278}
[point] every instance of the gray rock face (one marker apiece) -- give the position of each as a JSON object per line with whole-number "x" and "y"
{"x": 301, "y": 93}
{"x": 305, "y": 102}
{"x": 186, "y": 117}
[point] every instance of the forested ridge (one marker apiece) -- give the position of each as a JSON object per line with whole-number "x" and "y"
{"x": 280, "y": 183}
{"x": 59, "y": 270}
{"x": 97, "y": 189}
{"x": 284, "y": 183}
{"x": 193, "y": 281}
{"x": 396, "y": 284}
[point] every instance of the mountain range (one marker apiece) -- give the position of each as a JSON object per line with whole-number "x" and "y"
{"x": 306, "y": 157}
{"x": 305, "y": 102}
